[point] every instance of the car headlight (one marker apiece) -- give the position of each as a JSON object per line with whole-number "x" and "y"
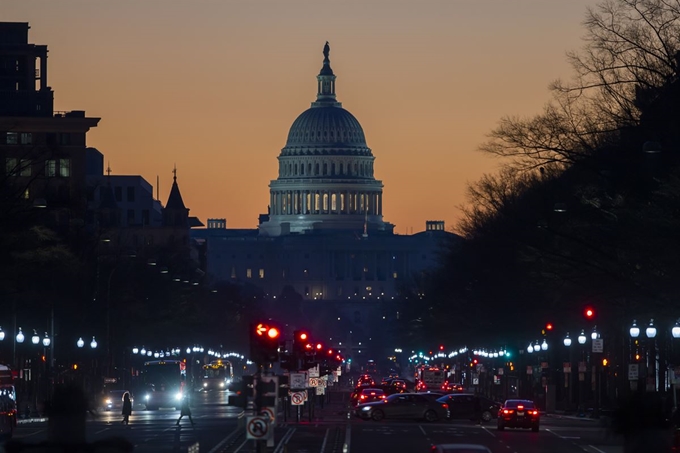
{"x": 228, "y": 381}
{"x": 205, "y": 384}
{"x": 221, "y": 384}
{"x": 108, "y": 401}
{"x": 366, "y": 408}
{"x": 147, "y": 397}
{"x": 178, "y": 397}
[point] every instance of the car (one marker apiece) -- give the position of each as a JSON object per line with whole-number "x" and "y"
{"x": 462, "y": 406}
{"x": 452, "y": 387}
{"x": 460, "y": 448}
{"x": 402, "y": 405}
{"x": 113, "y": 400}
{"x": 368, "y": 395}
{"x": 518, "y": 414}
{"x": 365, "y": 380}
{"x": 8, "y": 417}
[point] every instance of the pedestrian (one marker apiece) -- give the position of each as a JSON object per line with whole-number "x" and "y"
{"x": 477, "y": 406}
{"x": 185, "y": 410}
{"x": 127, "y": 408}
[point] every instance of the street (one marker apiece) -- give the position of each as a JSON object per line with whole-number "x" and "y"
{"x": 330, "y": 431}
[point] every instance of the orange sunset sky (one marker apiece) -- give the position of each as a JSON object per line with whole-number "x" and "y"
{"x": 213, "y": 86}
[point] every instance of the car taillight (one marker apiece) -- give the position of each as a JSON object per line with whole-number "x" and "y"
{"x": 508, "y": 411}
{"x": 445, "y": 406}
{"x": 363, "y": 397}
{"x": 533, "y": 412}
{"x": 519, "y": 408}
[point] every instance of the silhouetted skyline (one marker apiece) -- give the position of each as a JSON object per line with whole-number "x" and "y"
{"x": 214, "y": 88}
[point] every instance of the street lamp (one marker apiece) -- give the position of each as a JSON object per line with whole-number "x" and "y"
{"x": 593, "y": 334}
{"x": 35, "y": 339}
{"x": 143, "y": 351}
{"x": 135, "y": 350}
{"x": 2, "y": 334}
{"x": 651, "y": 330}
{"x": 582, "y": 337}
{"x": 675, "y": 331}
{"x": 20, "y": 336}
{"x": 567, "y": 340}
{"x": 530, "y": 348}
{"x": 80, "y": 343}
{"x": 544, "y": 345}
{"x": 93, "y": 343}
{"x": 634, "y": 330}
{"x": 46, "y": 341}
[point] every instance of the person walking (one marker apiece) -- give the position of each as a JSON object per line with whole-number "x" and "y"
{"x": 185, "y": 410}
{"x": 127, "y": 408}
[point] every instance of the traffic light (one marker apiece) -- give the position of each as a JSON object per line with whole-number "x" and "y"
{"x": 264, "y": 343}
{"x": 549, "y": 326}
{"x": 589, "y": 313}
{"x": 300, "y": 341}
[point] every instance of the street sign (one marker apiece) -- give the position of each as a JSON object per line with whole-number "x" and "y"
{"x": 314, "y": 372}
{"x": 257, "y": 427}
{"x": 501, "y": 371}
{"x": 475, "y": 381}
{"x": 582, "y": 367}
{"x": 530, "y": 369}
{"x": 320, "y": 390}
{"x": 598, "y": 345}
{"x": 544, "y": 365}
{"x": 633, "y": 371}
{"x": 298, "y": 381}
{"x": 566, "y": 367}
{"x": 270, "y": 413}
{"x": 297, "y": 398}
{"x": 314, "y": 382}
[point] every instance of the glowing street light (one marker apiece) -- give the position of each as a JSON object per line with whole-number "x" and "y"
{"x": 93, "y": 343}
{"x": 46, "y": 341}
{"x": 651, "y": 330}
{"x": 20, "y": 336}
{"x": 35, "y": 339}
{"x": 634, "y": 330}
{"x": 567, "y": 340}
{"x": 80, "y": 343}
{"x": 582, "y": 337}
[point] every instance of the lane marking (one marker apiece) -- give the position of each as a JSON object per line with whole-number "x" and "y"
{"x": 241, "y": 446}
{"x": 325, "y": 439}
{"x": 29, "y": 435}
{"x": 562, "y": 437}
{"x": 348, "y": 439}
{"x": 487, "y": 430}
{"x": 596, "y": 449}
{"x": 286, "y": 437}
{"x": 225, "y": 440}
{"x": 102, "y": 430}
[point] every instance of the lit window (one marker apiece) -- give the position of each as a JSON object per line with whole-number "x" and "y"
{"x": 25, "y": 167}
{"x": 51, "y": 168}
{"x": 27, "y": 194}
{"x": 12, "y": 138}
{"x": 249, "y": 273}
{"x": 26, "y": 138}
{"x": 261, "y": 273}
{"x": 64, "y": 168}
{"x": 394, "y": 275}
{"x": 10, "y": 166}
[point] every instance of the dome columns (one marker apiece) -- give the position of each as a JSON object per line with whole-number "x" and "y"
{"x": 316, "y": 202}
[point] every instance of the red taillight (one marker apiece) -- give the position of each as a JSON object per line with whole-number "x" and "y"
{"x": 508, "y": 411}
{"x": 519, "y": 408}
{"x": 372, "y": 393}
{"x": 445, "y": 406}
{"x": 363, "y": 397}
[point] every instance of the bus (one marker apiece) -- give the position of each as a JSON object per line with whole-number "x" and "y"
{"x": 165, "y": 383}
{"x": 429, "y": 379}
{"x": 217, "y": 375}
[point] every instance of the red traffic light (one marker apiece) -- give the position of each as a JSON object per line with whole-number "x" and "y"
{"x": 302, "y": 336}
{"x": 319, "y": 346}
{"x": 441, "y": 347}
{"x": 273, "y": 333}
{"x": 475, "y": 361}
{"x": 549, "y": 326}
{"x": 261, "y": 329}
{"x": 589, "y": 313}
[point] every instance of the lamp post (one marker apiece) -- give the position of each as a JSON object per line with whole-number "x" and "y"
{"x": 567, "y": 372}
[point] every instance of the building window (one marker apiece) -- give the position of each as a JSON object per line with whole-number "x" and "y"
{"x": 64, "y": 139}
{"x": 51, "y": 168}
{"x": 131, "y": 194}
{"x": 26, "y": 138}
{"x": 12, "y": 138}
{"x": 131, "y": 216}
{"x": 10, "y": 166}
{"x": 249, "y": 273}
{"x": 395, "y": 275}
{"x": 261, "y": 273}
{"x": 25, "y": 167}
{"x": 119, "y": 193}
{"x": 145, "y": 216}
{"x": 64, "y": 168}
{"x": 27, "y": 194}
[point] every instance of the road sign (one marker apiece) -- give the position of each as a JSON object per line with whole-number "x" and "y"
{"x": 297, "y": 398}
{"x": 633, "y": 371}
{"x": 598, "y": 345}
{"x": 475, "y": 381}
{"x": 314, "y": 382}
{"x": 314, "y": 372}
{"x": 257, "y": 427}
{"x": 501, "y": 371}
{"x": 530, "y": 369}
{"x": 270, "y": 413}
{"x": 582, "y": 367}
{"x": 298, "y": 381}
{"x": 320, "y": 390}
{"x": 566, "y": 367}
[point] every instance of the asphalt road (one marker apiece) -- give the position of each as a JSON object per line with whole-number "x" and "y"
{"x": 330, "y": 432}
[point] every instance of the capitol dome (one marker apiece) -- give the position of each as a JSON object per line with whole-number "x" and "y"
{"x": 326, "y": 175}
{"x": 326, "y": 126}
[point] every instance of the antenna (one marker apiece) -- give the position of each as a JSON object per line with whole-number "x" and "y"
{"x": 108, "y": 169}
{"x": 158, "y": 188}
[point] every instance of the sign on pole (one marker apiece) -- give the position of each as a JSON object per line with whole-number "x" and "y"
{"x": 314, "y": 372}
{"x": 313, "y": 382}
{"x": 298, "y": 381}
{"x": 633, "y": 372}
{"x": 566, "y": 367}
{"x": 530, "y": 369}
{"x": 582, "y": 367}
{"x": 320, "y": 390}
{"x": 297, "y": 398}
{"x": 598, "y": 345}
{"x": 257, "y": 428}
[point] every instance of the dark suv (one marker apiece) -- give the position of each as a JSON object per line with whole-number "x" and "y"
{"x": 518, "y": 414}
{"x": 462, "y": 405}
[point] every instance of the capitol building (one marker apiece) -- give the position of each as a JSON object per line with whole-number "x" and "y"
{"x": 324, "y": 237}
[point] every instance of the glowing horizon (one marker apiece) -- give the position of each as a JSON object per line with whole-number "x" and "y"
{"x": 215, "y": 87}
